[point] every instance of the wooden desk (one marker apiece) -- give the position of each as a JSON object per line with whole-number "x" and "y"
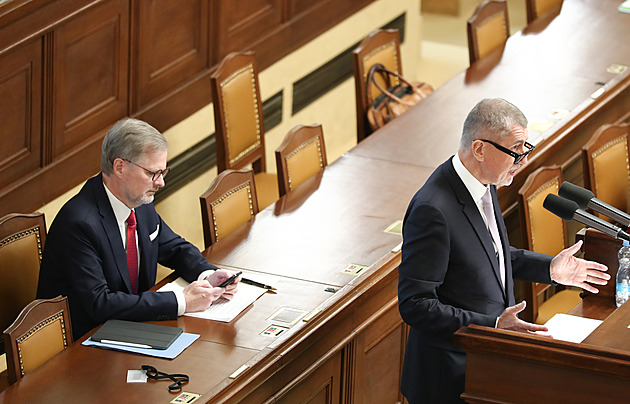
{"x": 337, "y": 218}
{"x": 557, "y": 63}
{"x": 504, "y": 366}
{"x": 351, "y": 350}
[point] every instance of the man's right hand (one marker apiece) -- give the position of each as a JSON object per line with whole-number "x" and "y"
{"x": 509, "y": 320}
{"x": 200, "y": 295}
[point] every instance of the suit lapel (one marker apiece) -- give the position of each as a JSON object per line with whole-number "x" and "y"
{"x": 470, "y": 210}
{"x": 112, "y": 232}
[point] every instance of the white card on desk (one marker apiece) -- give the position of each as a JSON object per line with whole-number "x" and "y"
{"x": 566, "y": 327}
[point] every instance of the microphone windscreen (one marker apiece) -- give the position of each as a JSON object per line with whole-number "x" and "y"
{"x": 577, "y": 194}
{"x": 563, "y": 208}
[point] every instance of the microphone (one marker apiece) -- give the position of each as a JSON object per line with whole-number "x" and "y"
{"x": 586, "y": 200}
{"x": 568, "y": 210}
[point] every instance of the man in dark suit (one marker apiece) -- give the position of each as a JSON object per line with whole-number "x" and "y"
{"x": 105, "y": 268}
{"x": 454, "y": 272}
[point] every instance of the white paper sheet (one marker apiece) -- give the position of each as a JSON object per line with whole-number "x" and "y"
{"x": 566, "y": 327}
{"x": 221, "y": 309}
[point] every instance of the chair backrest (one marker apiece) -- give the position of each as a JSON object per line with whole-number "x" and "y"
{"x": 238, "y": 115}
{"x": 229, "y": 202}
{"x": 536, "y": 8}
{"x": 543, "y": 231}
{"x": 301, "y": 154}
{"x": 380, "y": 46}
{"x": 488, "y": 28}
{"x": 22, "y": 238}
{"x": 606, "y": 171}
{"x": 41, "y": 331}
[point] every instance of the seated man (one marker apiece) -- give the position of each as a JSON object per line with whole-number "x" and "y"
{"x": 104, "y": 245}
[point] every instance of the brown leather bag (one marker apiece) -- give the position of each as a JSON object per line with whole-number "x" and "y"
{"x": 394, "y": 100}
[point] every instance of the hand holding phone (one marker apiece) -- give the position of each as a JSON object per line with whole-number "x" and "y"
{"x": 230, "y": 280}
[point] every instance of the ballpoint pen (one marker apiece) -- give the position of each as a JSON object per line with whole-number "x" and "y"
{"x": 254, "y": 283}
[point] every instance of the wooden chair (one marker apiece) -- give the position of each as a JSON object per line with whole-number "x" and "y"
{"x": 536, "y": 8}
{"x": 228, "y": 203}
{"x": 238, "y": 118}
{"x": 301, "y": 154}
{"x": 380, "y": 46}
{"x": 545, "y": 233}
{"x": 488, "y": 28}
{"x": 605, "y": 159}
{"x": 22, "y": 238}
{"x": 41, "y": 331}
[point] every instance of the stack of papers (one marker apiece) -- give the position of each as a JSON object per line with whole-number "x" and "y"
{"x": 221, "y": 309}
{"x": 625, "y": 7}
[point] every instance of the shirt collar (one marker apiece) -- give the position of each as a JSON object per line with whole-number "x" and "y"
{"x": 121, "y": 211}
{"x": 472, "y": 184}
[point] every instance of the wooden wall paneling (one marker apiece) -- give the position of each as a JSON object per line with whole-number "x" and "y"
{"x": 90, "y": 77}
{"x": 297, "y": 8}
{"x": 22, "y": 21}
{"x": 320, "y": 387}
{"x": 380, "y": 349}
{"x": 20, "y": 112}
{"x": 297, "y": 29}
{"x": 101, "y": 60}
{"x": 171, "y": 45}
{"x": 242, "y": 23}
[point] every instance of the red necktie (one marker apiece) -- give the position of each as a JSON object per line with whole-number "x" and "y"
{"x": 132, "y": 252}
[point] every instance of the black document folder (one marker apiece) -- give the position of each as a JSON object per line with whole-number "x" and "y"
{"x": 140, "y": 335}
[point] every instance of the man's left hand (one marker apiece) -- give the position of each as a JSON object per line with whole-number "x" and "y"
{"x": 569, "y": 270}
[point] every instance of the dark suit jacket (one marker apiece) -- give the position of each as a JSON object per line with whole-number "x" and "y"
{"x": 84, "y": 259}
{"x": 449, "y": 278}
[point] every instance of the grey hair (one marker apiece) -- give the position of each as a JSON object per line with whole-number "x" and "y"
{"x": 491, "y": 118}
{"x": 128, "y": 139}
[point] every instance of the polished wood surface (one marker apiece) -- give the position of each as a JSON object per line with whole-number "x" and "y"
{"x": 351, "y": 350}
{"x": 510, "y": 367}
{"x": 334, "y": 219}
{"x": 598, "y": 369}
{"x": 555, "y": 63}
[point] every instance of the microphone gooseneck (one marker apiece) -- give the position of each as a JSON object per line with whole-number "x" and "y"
{"x": 569, "y": 210}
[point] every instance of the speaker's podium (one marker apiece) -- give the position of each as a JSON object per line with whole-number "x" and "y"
{"x": 510, "y": 367}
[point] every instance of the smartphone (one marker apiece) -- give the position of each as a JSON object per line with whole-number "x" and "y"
{"x": 230, "y": 280}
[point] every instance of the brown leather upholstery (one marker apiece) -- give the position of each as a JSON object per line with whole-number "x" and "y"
{"x": 545, "y": 233}
{"x": 380, "y": 46}
{"x": 488, "y": 28}
{"x": 22, "y": 238}
{"x": 229, "y": 202}
{"x": 238, "y": 118}
{"x": 41, "y": 331}
{"x": 606, "y": 169}
{"x": 301, "y": 154}
{"x": 536, "y": 8}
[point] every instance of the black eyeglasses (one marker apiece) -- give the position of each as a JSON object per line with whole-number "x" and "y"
{"x": 518, "y": 157}
{"x": 178, "y": 378}
{"x": 154, "y": 174}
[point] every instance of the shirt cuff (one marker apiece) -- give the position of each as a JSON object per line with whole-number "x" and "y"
{"x": 496, "y": 323}
{"x": 181, "y": 302}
